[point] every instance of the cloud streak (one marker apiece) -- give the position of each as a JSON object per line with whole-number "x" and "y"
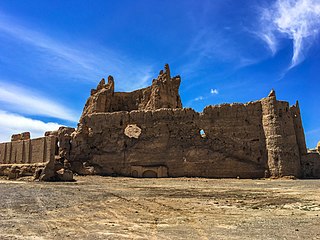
{"x": 13, "y": 123}
{"x": 213, "y": 92}
{"x": 78, "y": 62}
{"x": 26, "y": 101}
{"x": 215, "y": 45}
{"x": 72, "y": 61}
{"x": 200, "y": 98}
{"x": 298, "y": 20}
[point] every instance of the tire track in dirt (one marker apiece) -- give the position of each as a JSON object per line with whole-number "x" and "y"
{"x": 43, "y": 210}
{"x": 176, "y": 212}
{"x": 138, "y": 206}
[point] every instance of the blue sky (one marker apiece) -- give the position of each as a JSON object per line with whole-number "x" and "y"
{"x": 53, "y": 52}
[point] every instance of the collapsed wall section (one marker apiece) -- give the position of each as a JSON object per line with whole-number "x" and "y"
{"x": 45, "y": 158}
{"x": 163, "y": 93}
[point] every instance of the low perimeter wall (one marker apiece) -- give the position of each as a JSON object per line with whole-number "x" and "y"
{"x": 28, "y": 151}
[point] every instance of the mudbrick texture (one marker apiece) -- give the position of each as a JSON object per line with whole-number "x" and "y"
{"x": 147, "y": 133}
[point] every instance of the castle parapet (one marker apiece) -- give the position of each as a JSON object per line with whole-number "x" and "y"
{"x": 20, "y": 136}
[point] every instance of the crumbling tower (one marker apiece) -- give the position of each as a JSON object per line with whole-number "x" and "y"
{"x": 163, "y": 93}
{"x": 281, "y": 140}
{"x": 301, "y": 140}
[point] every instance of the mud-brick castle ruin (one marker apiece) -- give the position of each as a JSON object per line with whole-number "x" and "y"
{"x": 147, "y": 133}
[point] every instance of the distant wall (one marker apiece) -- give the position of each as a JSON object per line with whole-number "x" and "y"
{"x": 28, "y": 151}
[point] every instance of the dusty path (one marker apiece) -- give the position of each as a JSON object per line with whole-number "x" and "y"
{"x": 182, "y": 208}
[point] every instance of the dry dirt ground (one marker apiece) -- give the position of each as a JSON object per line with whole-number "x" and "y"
{"x": 182, "y": 208}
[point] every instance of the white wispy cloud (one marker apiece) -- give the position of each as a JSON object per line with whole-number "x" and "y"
{"x": 216, "y": 46}
{"x": 27, "y": 101}
{"x": 298, "y": 20}
{"x": 200, "y": 98}
{"x": 203, "y": 97}
{"x": 13, "y": 123}
{"x": 78, "y": 62}
{"x": 214, "y": 91}
{"x": 71, "y": 60}
{"x": 270, "y": 40}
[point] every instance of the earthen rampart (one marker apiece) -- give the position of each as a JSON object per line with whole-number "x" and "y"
{"x": 257, "y": 139}
{"x": 147, "y": 133}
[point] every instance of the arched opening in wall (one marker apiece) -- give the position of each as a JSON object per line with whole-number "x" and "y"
{"x": 134, "y": 173}
{"x": 202, "y": 133}
{"x": 149, "y": 174}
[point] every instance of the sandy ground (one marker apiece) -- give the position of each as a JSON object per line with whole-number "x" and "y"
{"x": 182, "y": 208}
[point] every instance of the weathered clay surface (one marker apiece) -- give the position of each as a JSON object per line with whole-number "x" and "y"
{"x": 20, "y": 136}
{"x": 163, "y": 93}
{"x": 14, "y": 171}
{"x": 235, "y": 142}
{"x": 58, "y": 168}
{"x": 310, "y": 164}
{"x": 281, "y": 140}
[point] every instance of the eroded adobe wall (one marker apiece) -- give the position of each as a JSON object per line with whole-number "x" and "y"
{"x": 281, "y": 140}
{"x": 310, "y": 165}
{"x": 237, "y": 131}
{"x": 233, "y": 146}
{"x": 28, "y": 151}
{"x": 298, "y": 127}
{"x": 123, "y": 101}
{"x": 163, "y": 93}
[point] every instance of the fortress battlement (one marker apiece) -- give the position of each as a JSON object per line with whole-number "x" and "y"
{"x": 147, "y": 133}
